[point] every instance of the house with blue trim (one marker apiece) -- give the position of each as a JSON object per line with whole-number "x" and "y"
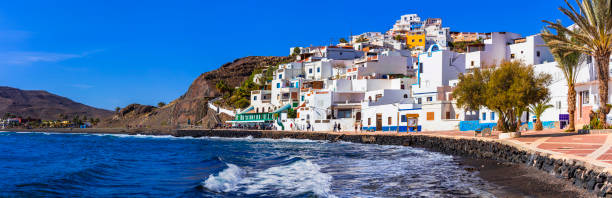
{"x": 390, "y": 110}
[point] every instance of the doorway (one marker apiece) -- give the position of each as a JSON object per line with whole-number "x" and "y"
{"x": 379, "y": 122}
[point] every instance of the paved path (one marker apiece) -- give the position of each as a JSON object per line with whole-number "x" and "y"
{"x": 592, "y": 147}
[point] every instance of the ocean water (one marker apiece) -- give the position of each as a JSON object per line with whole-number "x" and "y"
{"x": 97, "y": 165}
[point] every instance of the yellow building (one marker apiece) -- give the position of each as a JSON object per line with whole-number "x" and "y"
{"x": 415, "y": 40}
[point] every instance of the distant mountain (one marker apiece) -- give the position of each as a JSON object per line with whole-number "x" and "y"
{"x": 44, "y": 105}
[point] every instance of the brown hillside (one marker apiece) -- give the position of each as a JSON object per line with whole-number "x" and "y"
{"x": 193, "y": 104}
{"x": 44, "y": 105}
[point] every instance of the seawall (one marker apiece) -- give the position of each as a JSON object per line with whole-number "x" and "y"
{"x": 595, "y": 178}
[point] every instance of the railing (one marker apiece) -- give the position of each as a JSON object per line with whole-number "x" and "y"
{"x": 221, "y": 110}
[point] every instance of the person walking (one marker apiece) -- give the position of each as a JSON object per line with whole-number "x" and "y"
{"x": 335, "y": 126}
{"x": 308, "y": 126}
{"x": 339, "y": 129}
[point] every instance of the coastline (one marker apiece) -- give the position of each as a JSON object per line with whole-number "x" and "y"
{"x": 509, "y": 178}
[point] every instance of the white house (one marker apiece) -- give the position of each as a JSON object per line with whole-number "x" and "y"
{"x": 389, "y": 110}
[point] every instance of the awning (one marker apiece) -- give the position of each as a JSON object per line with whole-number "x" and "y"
{"x": 282, "y": 109}
{"x": 247, "y": 121}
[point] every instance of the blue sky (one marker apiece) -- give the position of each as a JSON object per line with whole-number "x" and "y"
{"x": 114, "y": 53}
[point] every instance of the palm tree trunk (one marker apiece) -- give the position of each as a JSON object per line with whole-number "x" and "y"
{"x": 603, "y": 62}
{"x": 571, "y": 106}
{"x": 538, "y": 125}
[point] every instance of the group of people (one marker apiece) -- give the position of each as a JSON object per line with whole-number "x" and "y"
{"x": 337, "y": 127}
{"x": 256, "y": 127}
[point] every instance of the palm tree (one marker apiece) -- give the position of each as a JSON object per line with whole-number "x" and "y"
{"x": 538, "y": 110}
{"x": 568, "y": 62}
{"x": 593, "y": 21}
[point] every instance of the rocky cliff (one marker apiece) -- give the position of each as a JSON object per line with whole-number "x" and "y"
{"x": 192, "y": 106}
{"x": 44, "y": 105}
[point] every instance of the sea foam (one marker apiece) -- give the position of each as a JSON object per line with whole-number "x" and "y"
{"x": 293, "y": 179}
{"x": 226, "y": 180}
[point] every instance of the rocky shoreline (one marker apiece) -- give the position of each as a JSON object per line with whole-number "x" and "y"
{"x": 588, "y": 179}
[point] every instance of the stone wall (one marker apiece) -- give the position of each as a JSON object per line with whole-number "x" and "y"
{"x": 593, "y": 178}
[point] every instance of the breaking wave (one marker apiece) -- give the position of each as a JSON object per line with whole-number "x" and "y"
{"x": 301, "y": 177}
{"x": 226, "y": 180}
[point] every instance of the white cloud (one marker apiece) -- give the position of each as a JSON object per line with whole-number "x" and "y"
{"x": 82, "y": 86}
{"x": 26, "y": 58}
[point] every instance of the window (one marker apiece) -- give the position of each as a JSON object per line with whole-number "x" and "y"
{"x": 484, "y": 116}
{"x": 340, "y": 53}
{"x": 421, "y": 68}
{"x": 310, "y": 71}
{"x": 511, "y": 56}
{"x": 430, "y": 116}
{"x": 429, "y": 99}
{"x": 521, "y": 52}
{"x": 405, "y": 95}
{"x": 280, "y": 76}
{"x": 389, "y": 120}
{"x": 420, "y": 40}
{"x": 585, "y": 97}
{"x": 277, "y": 85}
{"x": 492, "y": 115}
{"x": 254, "y": 97}
{"x": 346, "y": 113}
{"x": 558, "y": 104}
{"x": 419, "y": 101}
{"x": 404, "y": 119}
{"x": 302, "y": 98}
{"x": 413, "y": 40}
{"x": 318, "y": 70}
{"x": 538, "y": 53}
{"x": 369, "y": 121}
{"x": 472, "y": 63}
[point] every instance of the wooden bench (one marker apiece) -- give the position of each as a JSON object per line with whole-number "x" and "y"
{"x": 482, "y": 131}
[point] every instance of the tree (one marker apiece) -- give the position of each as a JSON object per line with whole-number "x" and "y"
{"x": 117, "y": 109}
{"x": 398, "y": 37}
{"x": 221, "y": 86}
{"x": 296, "y": 51}
{"x": 242, "y": 103}
{"x": 507, "y": 90}
{"x": 291, "y": 113}
{"x": 593, "y": 37}
{"x": 361, "y": 39}
{"x": 539, "y": 109}
{"x": 161, "y": 104}
{"x": 343, "y": 40}
{"x": 568, "y": 62}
